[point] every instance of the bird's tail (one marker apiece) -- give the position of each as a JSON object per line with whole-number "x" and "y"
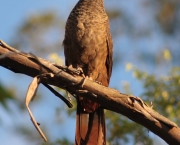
{"x": 90, "y": 127}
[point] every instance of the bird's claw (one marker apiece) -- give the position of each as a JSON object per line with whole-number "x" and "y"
{"x": 75, "y": 71}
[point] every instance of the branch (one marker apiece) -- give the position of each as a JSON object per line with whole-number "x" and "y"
{"x": 132, "y": 107}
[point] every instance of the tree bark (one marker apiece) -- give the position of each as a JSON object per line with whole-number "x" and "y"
{"x": 130, "y": 106}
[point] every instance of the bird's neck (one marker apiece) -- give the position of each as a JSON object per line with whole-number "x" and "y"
{"x": 94, "y": 0}
{"x": 99, "y": 2}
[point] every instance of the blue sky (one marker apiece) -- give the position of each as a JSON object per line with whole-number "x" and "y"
{"x": 13, "y": 13}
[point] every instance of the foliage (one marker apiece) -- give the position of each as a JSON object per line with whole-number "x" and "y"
{"x": 5, "y": 95}
{"x": 120, "y": 130}
{"x": 168, "y": 15}
{"x": 162, "y": 91}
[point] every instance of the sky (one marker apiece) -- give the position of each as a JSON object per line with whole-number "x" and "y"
{"x": 12, "y": 14}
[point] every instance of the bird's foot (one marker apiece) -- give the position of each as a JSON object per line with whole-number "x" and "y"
{"x": 80, "y": 71}
{"x": 98, "y": 82}
{"x": 75, "y": 71}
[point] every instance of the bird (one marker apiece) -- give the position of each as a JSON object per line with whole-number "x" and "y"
{"x": 88, "y": 46}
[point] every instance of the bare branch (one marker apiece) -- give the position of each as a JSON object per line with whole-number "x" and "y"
{"x": 132, "y": 107}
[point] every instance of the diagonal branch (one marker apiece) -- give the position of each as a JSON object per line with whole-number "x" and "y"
{"x": 132, "y": 107}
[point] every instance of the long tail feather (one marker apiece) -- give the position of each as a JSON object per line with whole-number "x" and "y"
{"x": 90, "y": 127}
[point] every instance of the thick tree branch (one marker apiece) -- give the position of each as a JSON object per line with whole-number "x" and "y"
{"x": 132, "y": 107}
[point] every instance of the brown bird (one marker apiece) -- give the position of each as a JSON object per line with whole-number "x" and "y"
{"x": 88, "y": 46}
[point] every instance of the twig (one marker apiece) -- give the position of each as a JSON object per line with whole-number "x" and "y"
{"x": 68, "y": 103}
